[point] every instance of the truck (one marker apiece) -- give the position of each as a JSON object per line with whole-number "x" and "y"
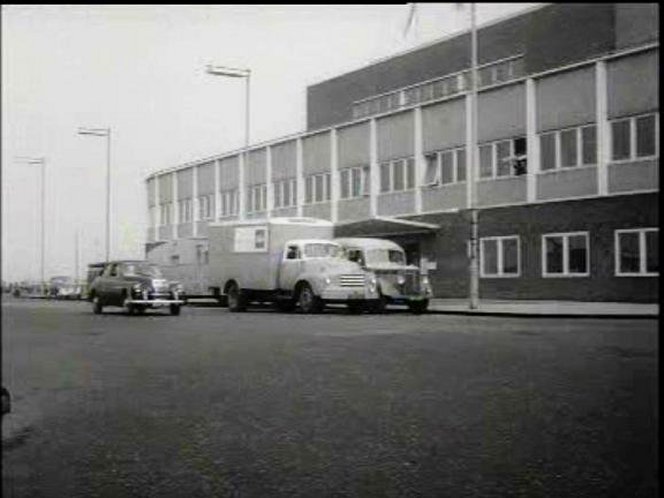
{"x": 398, "y": 282}
{"x": 290, "y": 262}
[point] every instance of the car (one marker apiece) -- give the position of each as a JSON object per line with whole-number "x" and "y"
{"x": 134, "y": 285}
{"x": 64, "y": 288}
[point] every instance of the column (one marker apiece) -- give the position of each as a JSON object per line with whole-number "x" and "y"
{"x": 176, "y": 206}
{"x": 471, "y": 177}
{"x": 419, "y": 158}
{"x": 157, "y": 214}
{"x": 194, "y": 201}
{"x": 373, "y": 169}
{"x": 217, "y": 194}
{"x": 601, "y": 93}
{"x": 334, "y": 175}
{"x": 268, "y": 181}
{"x": 299, "y": 178}
{"x": 532, "y": 143}
{"x": 242, "y": 195}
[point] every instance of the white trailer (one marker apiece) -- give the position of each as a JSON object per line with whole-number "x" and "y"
{"x": 288, "y": 261}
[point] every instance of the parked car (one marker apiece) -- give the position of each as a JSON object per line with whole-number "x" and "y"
{"x": 398, "y": 283}
{"x": 63, "y": 288}
{"x": 135, "y": 286}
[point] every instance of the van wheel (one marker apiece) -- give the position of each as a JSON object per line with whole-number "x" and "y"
{"x": 97, "y": 308}
{"x": 236, "y": 301}
{"x": 418, "y": 307}
{"x": 308, "y": 301}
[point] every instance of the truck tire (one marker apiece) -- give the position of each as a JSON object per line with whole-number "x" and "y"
{"x": 380, "y": 305}
{"x": 308, "y": 301}
{"x": 418, "y": 307}
{"x": 236, "y": 300}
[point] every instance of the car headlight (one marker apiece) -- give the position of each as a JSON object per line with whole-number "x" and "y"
{"x": 401, "y": 279}
{"x": 138, "y": 288}
{"x": 372, "y": 283}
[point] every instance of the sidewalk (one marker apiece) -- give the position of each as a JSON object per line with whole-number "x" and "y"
{"x": 546, "y": 308}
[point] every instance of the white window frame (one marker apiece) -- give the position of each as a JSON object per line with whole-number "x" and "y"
{"x": 494, "y": 159}
{"x": 500, "y": 254}
{"x": 228, "y": 203}
{"x": 326, "y": 187}
{"x": 566, "y": 273}
{"x": 365, "y": 175}
{"x": 633, "y": 138}
{"x": 439, "y": 167}
{"x": 643, "y": 272}
{"x": 280, "y": 187}
{"x": 392, "y": 164}
{"x": 558, "y": 148}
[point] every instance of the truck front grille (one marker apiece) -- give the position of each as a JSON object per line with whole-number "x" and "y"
{"x": 412, "y": 283}
{"x": 351, "y": 280}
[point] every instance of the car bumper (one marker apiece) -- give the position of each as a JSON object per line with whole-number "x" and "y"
{"x": 156, "y": 302}
{"x": 348, "y": 294}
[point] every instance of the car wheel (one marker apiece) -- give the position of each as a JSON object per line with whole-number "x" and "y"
{"x": 175, "y": 309}
{"x": 418, "y": 307}
{"x": 236, "y": 301}
{"x": 97, "y": 308}
{"x": 308, "y": 301}
{"x": 128, "y": 307}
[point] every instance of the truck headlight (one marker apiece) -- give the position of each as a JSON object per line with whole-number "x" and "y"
{"x": 426, "y": 285}
{"x": 328, "y": 280}
{"x": 401, "y": 279}
{"x": 372, "y": 283}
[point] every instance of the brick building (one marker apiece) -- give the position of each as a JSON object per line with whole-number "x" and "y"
{"x": 568, "y": 175}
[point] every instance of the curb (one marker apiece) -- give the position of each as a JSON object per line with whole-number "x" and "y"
{"x": 525, "y": 314}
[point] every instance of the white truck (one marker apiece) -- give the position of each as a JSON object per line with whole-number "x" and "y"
{"x": 291, "y": 262}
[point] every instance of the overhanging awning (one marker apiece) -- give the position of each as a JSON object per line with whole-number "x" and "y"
{"x": 383, "y": 226}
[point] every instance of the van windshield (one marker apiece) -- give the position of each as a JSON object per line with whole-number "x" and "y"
{"x": 143, "y": 269}
{"x": 322, "y": 250}
{"x": 386, "y": 256}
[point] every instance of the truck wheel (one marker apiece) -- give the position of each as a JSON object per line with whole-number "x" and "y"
{"x": 380, "y": 305}
{"x": 308, "y": 301}
{"x": 97, "y": 308}
{"x": 355, "y": 308}
{"x": 418, "y": 307}
{"x": 236, "y": 301}
{"x": 175, "y": 309}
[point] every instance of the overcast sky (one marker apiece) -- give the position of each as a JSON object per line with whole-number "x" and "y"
{"x": 140, "y": 70}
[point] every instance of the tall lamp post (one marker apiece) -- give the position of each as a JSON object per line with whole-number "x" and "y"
{"x": 230, "y": 72}
{"x": 474, "y": 252}
{"x": 41, "y": 161}
{"x": 104, "y": 132}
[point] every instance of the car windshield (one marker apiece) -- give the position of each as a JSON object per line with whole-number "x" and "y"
{"x": 143, "y": 269}
{"x": 386, "y": 256}
{"x": 322, "y": 250}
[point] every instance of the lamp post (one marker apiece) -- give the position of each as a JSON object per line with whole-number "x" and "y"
{"x": 41, "y": 161}
{"x": 104, "y": 132}
{"x": 474, "y": 253}
{"x": 230, "y": 72}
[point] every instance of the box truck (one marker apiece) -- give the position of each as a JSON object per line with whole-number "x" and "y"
{"x": 291, "y": 262}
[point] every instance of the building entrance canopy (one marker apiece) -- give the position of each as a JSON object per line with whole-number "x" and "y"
{"x": 383, "y": 226}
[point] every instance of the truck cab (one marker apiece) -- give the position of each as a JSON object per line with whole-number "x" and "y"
{"x": 398, "y": 282}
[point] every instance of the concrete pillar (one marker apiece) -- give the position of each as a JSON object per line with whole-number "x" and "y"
{"x": 176, "y": 207}
{"x": 532, "y": 142}
{"x": 217, "y": 194}
{"x": 469, "y": 156}
{"x": 157, "y": 203}
{"x": 603, "y": 153}
{"x": 243, "y": 159}
{"x": 374, "y": 171}
{"x": 334, "y": 175}
{"x": 194, "y": 201}
{"x": 298, "y": 173}
{"x": 268, "y": 180}
{"x": 419, "y": 158}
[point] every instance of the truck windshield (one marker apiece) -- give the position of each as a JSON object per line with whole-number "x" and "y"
{"x": 386, "y": 256}
{"x": 143, "y": 269}
{"x": 321, "y": 250}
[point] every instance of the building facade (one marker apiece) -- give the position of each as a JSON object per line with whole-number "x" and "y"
{"x": 567, "y": 180}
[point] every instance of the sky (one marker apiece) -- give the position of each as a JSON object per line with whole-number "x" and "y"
{"x": 140, "y": 70}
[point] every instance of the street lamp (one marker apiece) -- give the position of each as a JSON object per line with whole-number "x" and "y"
{"x": 474, "y": 253}
{"x": 41, "y": 161}
{"x": 104, "y": 132}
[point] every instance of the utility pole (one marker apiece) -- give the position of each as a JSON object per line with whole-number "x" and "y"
{"x": 474, "y": 252}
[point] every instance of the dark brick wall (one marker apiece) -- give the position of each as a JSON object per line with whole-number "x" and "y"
{"x": 599, "y": 217}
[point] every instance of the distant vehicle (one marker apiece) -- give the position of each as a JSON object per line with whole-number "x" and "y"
{"x": 94, "y": 270}
{"x": 63, "y": 288}
{"x": 134, "y": 286}
{"x": 291, "y": 262}
{"x": 398, "y": 283}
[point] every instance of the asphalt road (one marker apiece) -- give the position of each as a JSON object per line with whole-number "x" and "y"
{"x": 265, "y": 404}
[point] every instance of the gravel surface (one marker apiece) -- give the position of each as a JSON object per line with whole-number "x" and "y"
{"x": 264, "y": 404}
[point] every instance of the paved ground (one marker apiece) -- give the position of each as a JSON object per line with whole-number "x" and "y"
{"x": 265, "y": 404}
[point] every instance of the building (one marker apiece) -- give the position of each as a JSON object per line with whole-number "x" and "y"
{"x": 568, "y": 174}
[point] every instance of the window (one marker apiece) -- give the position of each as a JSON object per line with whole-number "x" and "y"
{"x": 354, "y": 182}
{"x": 228, "y": 203}
{"x": 503, "y": 158}
{"x": 317, "y": 188}
{"x": 166, "y": 217}
{"x": 565, "y": 255}
{"x": 257, "y": 198}
{"x": 205, "y": 206}
{"x": 184, "y": 210}
{"x": 445, "y": 167}
{"x": 285, "y": 193}
{"x": 568, "y": 148}
{"x": 499, "y": 256}
{"x": 637, "y": 252}
{"x": 635, "y": 137}
{"x": 397, "y": 175}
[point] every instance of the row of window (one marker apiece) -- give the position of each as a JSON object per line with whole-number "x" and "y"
{"x": 285, "y": 193}
{"x": 317, "y": 188}
{"x": 443, "y": 87}
{"x": 567, "y": 254}
{"x": 397, "y": 175}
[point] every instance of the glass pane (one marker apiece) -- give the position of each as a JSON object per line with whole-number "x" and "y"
{"x": 277, "y": 194}
{"x": 461, "y": 165}
{"x": 629, "y": 252}
{"x": 486, "y": 159}
{"x": 489, "y": 257}
{"x": 328, "y": 188}
{"x": 578, "y": 255}
{"x": 504, "y": 163}
{"x": 294, "y": 192}
{"x": 431, "y": 172}
{"x": 343, "y": 181}
{"x": 410, "y": 173}
{"x": 548, "y": 151}
{"x": 568, "y": 148}
{"x": 286, "y": 201}
{"x": 385, "y": 177}
{"x": 589, "y": 144}
{"x": 308, "y": 189}
{"x": 652, "y": 252}
{"x": 620, "y": 140}
{"x": 511, "y": 256}
{"x": 318, "y": 190}
{"x": 554, "y": 254}
{"x": 398, "y": 175}
{"x": 357, "y": 182}
{"x": 366, "y": 187}
{"x": 446, "y": 160}
{"x": 645, "y": 136}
